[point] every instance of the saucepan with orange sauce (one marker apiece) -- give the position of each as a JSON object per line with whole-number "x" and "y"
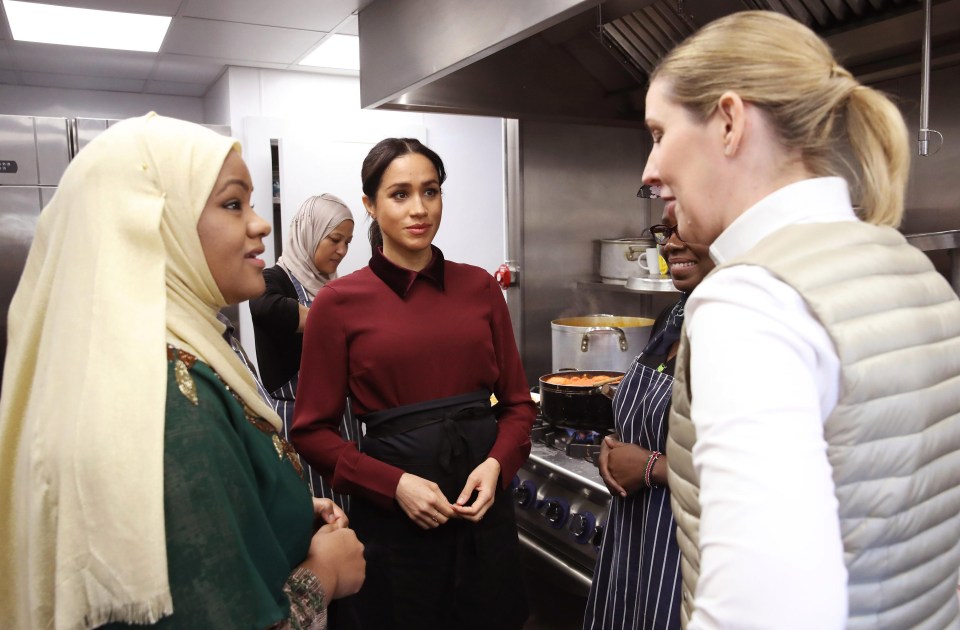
{"x": 579, "y": 399}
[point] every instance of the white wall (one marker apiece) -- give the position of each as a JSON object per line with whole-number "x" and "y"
{"x": 17, "y": 100}
{"x": 324, "y": 136}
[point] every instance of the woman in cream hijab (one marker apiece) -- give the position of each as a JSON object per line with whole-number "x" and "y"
{"x": 317, "y": 241}
{"x": 142, "y": 480}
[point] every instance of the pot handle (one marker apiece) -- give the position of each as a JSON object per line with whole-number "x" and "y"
{"x": 632, "y": 252}
{"x": 585, "y": 340}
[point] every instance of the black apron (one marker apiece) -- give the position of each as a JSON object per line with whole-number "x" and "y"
{"x": 460, "y": 575}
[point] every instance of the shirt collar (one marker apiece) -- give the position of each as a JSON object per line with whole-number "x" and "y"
{"x": 228, "y": 331}
{"x": 400, "y": 280}
{"x": 816, "y": 200}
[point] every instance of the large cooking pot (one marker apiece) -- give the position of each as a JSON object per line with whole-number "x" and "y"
{"x": 598, "y": 342}
{"x": 580, "y": 407}
{"x": 620, "y": 258}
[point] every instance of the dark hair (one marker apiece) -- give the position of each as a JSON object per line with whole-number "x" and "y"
{"x": 377, "y": 161}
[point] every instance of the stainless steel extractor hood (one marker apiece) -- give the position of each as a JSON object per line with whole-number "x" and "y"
{"x": 589, "y": 60}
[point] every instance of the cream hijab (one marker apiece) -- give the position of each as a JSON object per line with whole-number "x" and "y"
{"x": 115, "y": 271}
{"x": 316, "y": 218}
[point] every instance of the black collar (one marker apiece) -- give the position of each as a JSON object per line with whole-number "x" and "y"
{"x": 399, "y": 279}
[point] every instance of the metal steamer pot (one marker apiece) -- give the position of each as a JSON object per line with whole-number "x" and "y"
{"x": 619, "y": 258}
{"x": 579, "y": 407}
{"x": 598, "y": 342}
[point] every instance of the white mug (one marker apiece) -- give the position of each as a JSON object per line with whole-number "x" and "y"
{"x": 650, "y": 261}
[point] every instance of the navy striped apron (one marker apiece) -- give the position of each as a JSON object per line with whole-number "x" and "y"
{"x": 242, "y": 355}
{"x": 636, "y": 583}
{"x": 283, "y": 400}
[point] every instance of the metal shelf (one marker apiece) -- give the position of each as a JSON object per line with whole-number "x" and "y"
{"x": 935, "y": 241}
{"x": 644, "y": 285}
{"x": 930, "y": 241}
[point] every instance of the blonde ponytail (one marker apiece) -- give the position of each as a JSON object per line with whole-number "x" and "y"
{"x": 879, "y": 139}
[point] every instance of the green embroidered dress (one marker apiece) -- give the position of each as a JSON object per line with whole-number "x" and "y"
{"x": 238, "y": 515}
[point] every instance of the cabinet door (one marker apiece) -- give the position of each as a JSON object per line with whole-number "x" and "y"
{"x": 18, "y": 151}
{"x": 53, "y": 152}
{"x": 19, "y": 210}
{"x": 88, "y": 129}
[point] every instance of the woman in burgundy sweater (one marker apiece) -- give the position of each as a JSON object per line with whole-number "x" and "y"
{"x": 419, "y": 343}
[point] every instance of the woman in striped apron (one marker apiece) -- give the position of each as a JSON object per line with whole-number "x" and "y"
{"x": 636, "y": 582}
{"x": 318, "y": 239}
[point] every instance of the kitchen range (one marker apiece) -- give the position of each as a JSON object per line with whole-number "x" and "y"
{"x": 562, "y": 504}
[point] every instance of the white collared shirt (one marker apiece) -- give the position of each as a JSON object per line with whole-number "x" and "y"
{"x": 765, "y": 376}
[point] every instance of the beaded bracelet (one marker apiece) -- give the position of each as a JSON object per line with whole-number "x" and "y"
{"x": 654, "y": 456}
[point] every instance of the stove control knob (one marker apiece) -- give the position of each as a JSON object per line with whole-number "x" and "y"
{"x": 597, "y": 536}
{"x": 514, "y": 483}
{"x": 525, "y": 494}
{"x": 582, "y": 525}
{"x": 555, "y": 511}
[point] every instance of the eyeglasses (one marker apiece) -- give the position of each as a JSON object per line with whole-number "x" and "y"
{"x": 649, "y": 192}
{"x": 662, "y": 233}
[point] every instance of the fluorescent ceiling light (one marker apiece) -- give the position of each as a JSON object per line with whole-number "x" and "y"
{"x": 49, "y": 24}
{"x": 336, "y": 51}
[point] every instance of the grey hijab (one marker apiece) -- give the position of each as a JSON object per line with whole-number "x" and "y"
{"x": 316, "y": 218}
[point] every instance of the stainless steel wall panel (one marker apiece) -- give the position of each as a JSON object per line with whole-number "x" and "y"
{"x": 579, "y": 184}
{"x": 53, "y": 150}
{"x": 18, "y": 151}
{"x": 933, "y": 191}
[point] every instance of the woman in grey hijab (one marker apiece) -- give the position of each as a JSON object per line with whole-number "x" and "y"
{"x": 318, "y": 239}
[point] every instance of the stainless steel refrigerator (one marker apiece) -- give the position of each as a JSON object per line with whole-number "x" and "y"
{"x": 34, "y": 151}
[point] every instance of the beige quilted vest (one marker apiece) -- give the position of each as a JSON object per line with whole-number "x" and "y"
{"x": 894, "y": 437}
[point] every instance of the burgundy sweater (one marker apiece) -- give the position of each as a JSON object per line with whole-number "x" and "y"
{"x": 387, "y": 337}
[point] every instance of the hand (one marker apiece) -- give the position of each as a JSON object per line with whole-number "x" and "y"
{"x": 423, "y": 502}
{"x": 302, "y": 321}
{"x": 336, "y": 558}
{"x": 326, "y": 512}
{"x": 483, "y": 480}
{"x": 622, "y": 465}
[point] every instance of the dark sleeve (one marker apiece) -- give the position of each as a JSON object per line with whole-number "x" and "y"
{"x": 517, "y": 410}
{"x": 321, "y": 398}
{"x": 276, "y": 315}
{"x": 238, "y": 518}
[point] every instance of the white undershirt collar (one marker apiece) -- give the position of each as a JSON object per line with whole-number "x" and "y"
{"x": 815, "y": 200}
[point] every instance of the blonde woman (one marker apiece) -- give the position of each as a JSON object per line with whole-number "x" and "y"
{"x": 142, "y": 479}
{"x": 815, "y": 429}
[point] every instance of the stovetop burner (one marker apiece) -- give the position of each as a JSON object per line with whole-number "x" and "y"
{"x": 578, "y": 444}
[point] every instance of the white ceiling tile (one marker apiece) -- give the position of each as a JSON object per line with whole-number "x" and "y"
{"x": 187, "y": 69}
{"x": 148, "y": 7}
{"x": 80, "y": 82}
{"x": 252, "y": 33}
{"x": 175, "y": 88}
{"x": 51, "y": 58}
{"x": 322, "y": 15}
{"x": 349, "y": 26}
{"x": 209, "y": 38}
